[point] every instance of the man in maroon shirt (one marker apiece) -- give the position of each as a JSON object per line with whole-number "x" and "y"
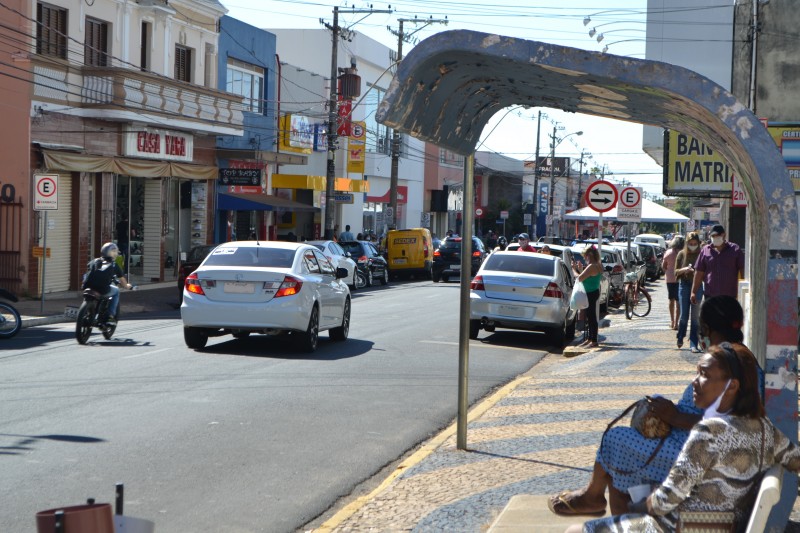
{"x": 524, "y": 243}
{"x": 718, "y": 267}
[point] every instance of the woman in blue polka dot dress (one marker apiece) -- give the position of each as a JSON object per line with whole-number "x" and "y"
{"x": 620, "y": 462}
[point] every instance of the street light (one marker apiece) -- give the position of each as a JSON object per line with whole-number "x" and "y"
{"x": 555, "y": 142}
{"x": 602, "y": 35}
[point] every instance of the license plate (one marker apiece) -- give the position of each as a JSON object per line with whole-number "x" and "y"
{"x": 455, "y": 267}
{"x": 512, "y": 310}
{"x": 239, "y": 287}
{"x": 401, "y": 261}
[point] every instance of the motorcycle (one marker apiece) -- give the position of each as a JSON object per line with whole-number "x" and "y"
{"x": 10, "y": 321}
{"x": 93, "y": 313}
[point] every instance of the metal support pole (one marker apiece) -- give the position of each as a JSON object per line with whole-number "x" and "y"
{"x": 549, "y": 225}
{"x": 535, "y": 213}
{"x": 467, "y": 212}
{"x": 333, "y": 113}
{"x": 44, "y": 261}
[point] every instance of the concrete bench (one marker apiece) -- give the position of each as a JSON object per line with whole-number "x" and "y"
{"x": 528, "y": 513}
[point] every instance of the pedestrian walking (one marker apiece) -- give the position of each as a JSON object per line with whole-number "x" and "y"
{"x": 718, "y": 267}
{"x": 668, "y": 264}
{"x": 590, "y": 277}
{"x": 684, "y": 272}
{"x": 346, "y": 235}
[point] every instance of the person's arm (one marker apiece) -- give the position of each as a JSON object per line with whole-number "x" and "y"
{"x": 666, "y": 411}
{"x": 740, "y": 263}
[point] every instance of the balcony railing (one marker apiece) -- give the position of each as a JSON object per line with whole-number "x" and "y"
{"x": 120, "y": 93}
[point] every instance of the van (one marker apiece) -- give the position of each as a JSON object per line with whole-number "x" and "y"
{"x": 650, "y": 238}
{"x": 409, "y": 251}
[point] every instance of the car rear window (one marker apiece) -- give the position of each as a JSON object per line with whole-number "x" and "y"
{"x": 199, "y": 253}
{"x": 251, "y": 257}
{"x": 353, "y": 248}
{"x": 523, "y": 264}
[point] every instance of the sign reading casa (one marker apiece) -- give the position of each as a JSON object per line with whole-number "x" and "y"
{"x": 159, "y": 144}
{"x": 692, "y": 168}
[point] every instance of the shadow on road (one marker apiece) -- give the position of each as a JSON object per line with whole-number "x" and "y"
{"x": 25, "y": 442}
{"x": 284, "y": 347}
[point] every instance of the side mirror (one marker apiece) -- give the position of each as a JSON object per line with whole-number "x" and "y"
{"x": 609, "y": 269}
{"x": 341, "y": 273}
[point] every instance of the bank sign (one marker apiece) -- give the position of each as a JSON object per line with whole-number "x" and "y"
{"x": 692, "y": 168}
{"x": 165, "y": 145}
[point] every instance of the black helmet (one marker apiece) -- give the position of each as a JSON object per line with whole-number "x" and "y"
{"x": 501, "y": 241}
{"x": 108, "y": 248}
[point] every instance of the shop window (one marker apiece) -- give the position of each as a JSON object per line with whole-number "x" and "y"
{"x": 146, "y": 43}
{"x": 183, "y": 63}
{"x": 51, "y": 31}
{"x": 379, "y": 137}
{"x": 95, "y": 43}
{"x": 246, "y": 80}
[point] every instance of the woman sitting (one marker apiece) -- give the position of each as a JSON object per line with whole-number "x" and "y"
{"x": 622, "y": 460}
{"x": 725, "y": 456}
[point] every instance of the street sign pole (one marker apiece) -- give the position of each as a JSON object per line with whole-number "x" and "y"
{"x": 44, "y": 262}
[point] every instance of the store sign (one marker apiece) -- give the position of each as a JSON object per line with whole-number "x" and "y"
{"x": 692, "y": 168}
{"x": 159, "y": 144}
{"x": 297, "y": 134}
{"x": 356, "y": 148}
{"x": 320, "y": 137}
{"x": 344, "y": 126}
{"x": 239, "y": 176}
{"x": 787, "y": 138}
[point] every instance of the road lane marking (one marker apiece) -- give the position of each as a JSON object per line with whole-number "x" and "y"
{"x": 145, "y": 353}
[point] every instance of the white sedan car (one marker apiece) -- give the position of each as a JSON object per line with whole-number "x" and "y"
{"x": 523, "y": 291}
{"x": 338, "y": 258}
{"x": 267, "y": 287}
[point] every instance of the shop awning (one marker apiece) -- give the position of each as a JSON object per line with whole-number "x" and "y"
{"x": 140, "y": 168}
{"x": 260, "y": 202}
{"x": 317, "y": 183}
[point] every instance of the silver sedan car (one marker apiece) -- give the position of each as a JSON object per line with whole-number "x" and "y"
{"x": 268, "y": 287}
{"x": 523, "y": 291}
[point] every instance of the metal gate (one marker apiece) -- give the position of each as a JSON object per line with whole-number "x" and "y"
{"x": 10, "y": 245}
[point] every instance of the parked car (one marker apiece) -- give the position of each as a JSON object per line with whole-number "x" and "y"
{"x": 651, "y": 238}
{"x": 447, "y": 258}
{"x": 368, "y": 260}
{"x": 651, "y": 259}
{"x": 266, "y": 287}
{"x": 338, "y": 258}
{"x": 605, "y": 282}
{"x": 632, "y": 262}
{"x": 523, "y": 291}
{"x": 552, "y": 240}
{"x": 190, "y": 264}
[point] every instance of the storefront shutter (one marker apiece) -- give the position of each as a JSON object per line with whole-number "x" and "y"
{"x": 152, "y": 230}
{"x": 59, "y": 239}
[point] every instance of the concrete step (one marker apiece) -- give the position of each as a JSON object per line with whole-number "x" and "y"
{"x": 528, "y": 513}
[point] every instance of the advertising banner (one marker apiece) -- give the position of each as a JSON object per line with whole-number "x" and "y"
{"x": 297, "y": 134}
{"x": 787, "y": 138}
{"x": 692, "y": 168}
{"x": 357, "y": 147}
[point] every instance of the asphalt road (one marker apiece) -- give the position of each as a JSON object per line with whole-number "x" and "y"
{"x": 247, "y": 435}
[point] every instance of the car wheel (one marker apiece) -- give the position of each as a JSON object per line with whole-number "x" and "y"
{"x": 570, "y": 333}
{"x": 474, "y": 328}
{"x": 436, "y": 277}
{"x": 369, "y": 278}
{"x": 341, "y": 333}
{"x": 445, "y": 278}
{"x": 310, "y": 337}
{"x": 385, "y": 278}
{"x": 354, "y": 281}
{"x": 195, "y": 338}
{"x": 559, "y": 334}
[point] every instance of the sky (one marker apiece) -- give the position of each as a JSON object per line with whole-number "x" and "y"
{"x": 613, "y": 145}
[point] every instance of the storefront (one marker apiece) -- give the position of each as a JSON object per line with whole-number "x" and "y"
{"x": 159, "y": 201}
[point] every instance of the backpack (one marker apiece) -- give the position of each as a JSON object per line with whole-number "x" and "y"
{"x": 99, "y": 275}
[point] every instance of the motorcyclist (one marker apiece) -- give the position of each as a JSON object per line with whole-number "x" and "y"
{"x": 101, "y": 275}
{"x": 501, "y": 244}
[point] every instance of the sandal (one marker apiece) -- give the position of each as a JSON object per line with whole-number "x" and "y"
{"x": 559, "y": 505}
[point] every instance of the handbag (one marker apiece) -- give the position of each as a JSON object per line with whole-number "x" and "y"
{"x": 579, "y": 299}
{"x": 645, "y": 421}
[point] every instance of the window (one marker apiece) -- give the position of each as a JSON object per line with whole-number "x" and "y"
{"x": 183, "y": 63}
{"x": 51, "y": 31}
{"x": 379, "y": 137}
{"x": 246, "y": 80}
{"x": 144, "y": 59}
{"x": 311, "y": 262}
{"x": 95, "y": 43}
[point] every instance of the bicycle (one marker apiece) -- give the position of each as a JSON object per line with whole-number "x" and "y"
{"x": 637, "y": 299}
{"x": 10, "y": 321}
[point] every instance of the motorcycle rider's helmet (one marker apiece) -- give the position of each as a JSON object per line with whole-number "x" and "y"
{"x": 502, "y": 242}
{"x": 109, "y": 251}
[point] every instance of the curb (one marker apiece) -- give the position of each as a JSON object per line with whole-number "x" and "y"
{"x": 417, "y": 457}
{"x": 29, "y": 322}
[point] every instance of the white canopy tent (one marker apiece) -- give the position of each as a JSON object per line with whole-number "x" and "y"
{"x": 651, "y": 212}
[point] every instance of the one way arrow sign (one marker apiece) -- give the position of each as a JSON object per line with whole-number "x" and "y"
{"x": 601, "y": 196}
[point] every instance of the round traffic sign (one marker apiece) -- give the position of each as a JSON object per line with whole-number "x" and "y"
{"x": 601, "y": 196}
{"x": 630, "y": 197}
{"x": 478, "y": 212}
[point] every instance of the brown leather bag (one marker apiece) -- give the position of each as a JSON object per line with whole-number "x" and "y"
{"x": 645, "y": 421}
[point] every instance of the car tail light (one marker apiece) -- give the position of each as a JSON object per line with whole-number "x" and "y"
{"x": 192, "y": 284}
{"x": 477, "y": 284}
{"x": 289, "y": 287}
{"x": 617, "y": 269}
{"x": 476, "y": 253}
{"x": 437, "y": 254}
{"x": 425, "y": 250}
{"x": 362, "y": 259}
{"x": 553, "y": 291}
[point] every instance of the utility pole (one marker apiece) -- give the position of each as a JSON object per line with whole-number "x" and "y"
{"x": 333, "y": 115}
{"x": 549, "y": 224}
{"x": 536, "y": 178}
{"x": 395, "y": 166}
